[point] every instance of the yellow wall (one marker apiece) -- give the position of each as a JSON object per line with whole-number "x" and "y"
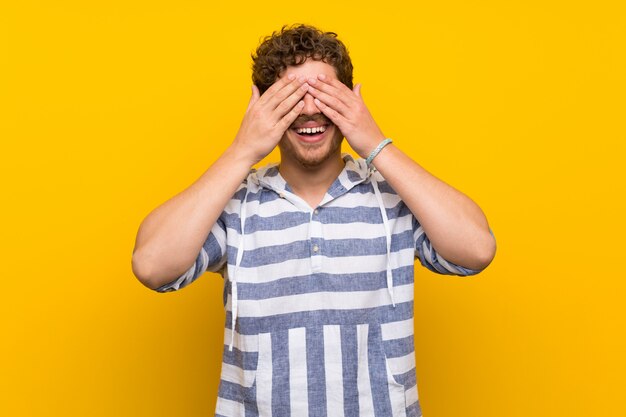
{"x": 110, "y": 108}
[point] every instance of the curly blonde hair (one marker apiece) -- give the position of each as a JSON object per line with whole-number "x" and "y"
{"x": 292, "y": 46}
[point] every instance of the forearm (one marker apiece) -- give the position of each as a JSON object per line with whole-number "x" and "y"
{"x": 455, "y": 225}
{"x": 171, "y": 236}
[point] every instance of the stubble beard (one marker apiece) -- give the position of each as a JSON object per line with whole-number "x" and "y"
{"x": 309, "y": 159}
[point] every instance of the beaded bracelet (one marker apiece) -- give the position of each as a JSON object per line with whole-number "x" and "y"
{"x": 375, "y": 152}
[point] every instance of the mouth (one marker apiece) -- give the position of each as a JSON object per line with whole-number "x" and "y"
{"x": 312, "y": 135}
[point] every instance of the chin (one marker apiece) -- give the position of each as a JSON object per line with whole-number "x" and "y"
{"x": 310, "y": 155}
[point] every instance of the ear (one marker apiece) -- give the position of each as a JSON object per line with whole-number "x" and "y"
{"x": 357, "y": 89}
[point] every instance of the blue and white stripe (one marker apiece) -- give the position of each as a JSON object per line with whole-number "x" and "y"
{"x": 319, "y": 301}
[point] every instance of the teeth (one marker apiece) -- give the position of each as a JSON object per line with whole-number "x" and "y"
{"x": 311, "y": 129}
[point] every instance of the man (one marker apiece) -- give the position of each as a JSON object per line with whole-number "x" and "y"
{"x": 317, "y": 252}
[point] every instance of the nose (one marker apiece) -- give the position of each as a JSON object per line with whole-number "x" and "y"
{"x": 310, "y": 107}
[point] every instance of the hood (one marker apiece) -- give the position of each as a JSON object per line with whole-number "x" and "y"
{"x": 354, "y": 172}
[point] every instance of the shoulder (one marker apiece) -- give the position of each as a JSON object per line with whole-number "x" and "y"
{"x": 254, "y": 183}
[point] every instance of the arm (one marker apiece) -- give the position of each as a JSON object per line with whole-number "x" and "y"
{"x": 171, "y": 237}
{"x": 455, "y": 225}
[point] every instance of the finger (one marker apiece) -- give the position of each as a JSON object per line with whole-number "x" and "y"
{"x": 276, "y": 87}
{"x": 332, "y": 81}
{"x": 334, "y": 87}
{"x": 330, "y": 100}
{"x": 287, "y": 104}
{"x": 255, "y": 92}
{"x": 254, "y": 97}
{"x": 332, "y": 114}
{"x": 357, "y": 89}
{"x": 290, "y": 117}
{"x": 279, "y": 96}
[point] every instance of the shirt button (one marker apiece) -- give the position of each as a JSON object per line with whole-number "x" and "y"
{"x": 316, "y": 211}
{"x": 315, "y": 248}
{"x": 281, "y": 195}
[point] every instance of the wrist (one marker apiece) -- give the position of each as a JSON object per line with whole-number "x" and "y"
{"x": 242, "y": 154}
{"x": 376, "y": 150}
{"x": 366, "y": 150}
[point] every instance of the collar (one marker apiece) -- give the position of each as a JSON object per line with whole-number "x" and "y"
{"x": 353, "y": 173}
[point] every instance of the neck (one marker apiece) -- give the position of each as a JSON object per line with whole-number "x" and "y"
{"x": 311, "y": 181}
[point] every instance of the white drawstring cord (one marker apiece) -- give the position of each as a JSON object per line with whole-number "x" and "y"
{"x": 383, "y": 212}
{"x": 233, "y": 278}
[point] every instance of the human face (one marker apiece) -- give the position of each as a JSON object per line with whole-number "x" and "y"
{"x": 311, "y": 151}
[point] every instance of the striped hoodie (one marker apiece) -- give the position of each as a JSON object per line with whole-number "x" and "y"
{"x": 319, "y": 301}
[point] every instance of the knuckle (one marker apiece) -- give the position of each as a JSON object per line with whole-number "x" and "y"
{"x": 281, "y": 126}
{"x": 284, "y": 106}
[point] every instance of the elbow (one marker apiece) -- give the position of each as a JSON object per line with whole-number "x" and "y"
{"x": 486, "y": 252}
{"x": 152, "y": 277}
{"x": 142, "y": 271}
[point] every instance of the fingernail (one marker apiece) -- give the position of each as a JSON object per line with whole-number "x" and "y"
{"x": 301, "y": 78}
{"x": 292, "y": 76}
{"x": 322, "y": 76}
{"x": 312, "y": 80}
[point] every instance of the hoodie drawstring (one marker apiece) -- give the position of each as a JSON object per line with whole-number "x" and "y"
{"x": 233, "y": 278}
{"x": 383, "y": 212}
